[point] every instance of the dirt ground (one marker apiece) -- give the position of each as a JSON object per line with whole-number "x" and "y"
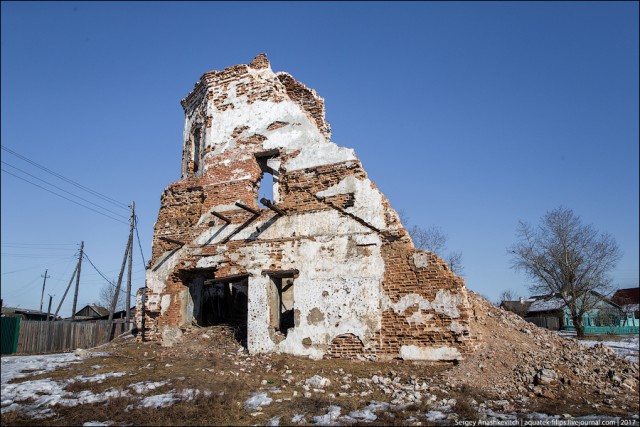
{"x": 502, "y": 377}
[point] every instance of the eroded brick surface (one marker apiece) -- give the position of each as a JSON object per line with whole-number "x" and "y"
{"x": 325, "y": 270}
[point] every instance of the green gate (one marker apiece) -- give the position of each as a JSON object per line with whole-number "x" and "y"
{"x": 9, "y": 332}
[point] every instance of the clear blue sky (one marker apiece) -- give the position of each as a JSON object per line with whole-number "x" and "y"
{"x": 470, "y": 116}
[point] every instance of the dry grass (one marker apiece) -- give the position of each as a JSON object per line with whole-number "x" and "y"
{"x": 216, "y": 364}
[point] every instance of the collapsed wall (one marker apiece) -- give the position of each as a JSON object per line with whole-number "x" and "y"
{"x": 322, "y": 267}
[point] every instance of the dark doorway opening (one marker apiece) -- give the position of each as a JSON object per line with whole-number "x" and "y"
{"x": 217, "y": 302}
{"x": 281, "y": 306}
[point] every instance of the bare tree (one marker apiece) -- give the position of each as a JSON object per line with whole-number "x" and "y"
{"x": 506, "y": 295}
{"x": 433, "y": 239}
{"x": 105, "y": 297}
{"x": 516, "y": 305}
{"x": 454, "y": 259}
{"x": 564, "y": 257}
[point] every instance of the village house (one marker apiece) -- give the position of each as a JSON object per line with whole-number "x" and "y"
{"x": 604, "y": 316}
{"x": 91, "y": 312}
{"x": 26, "y": 313}
{"x": 276, "y": 229}
{"x": 629, "y": 301}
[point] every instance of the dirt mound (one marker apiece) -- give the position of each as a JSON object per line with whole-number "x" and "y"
{"x": 517, "y": 360}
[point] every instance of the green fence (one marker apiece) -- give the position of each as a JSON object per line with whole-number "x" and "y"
{"x": 9, "y": 333}
{"x": 603, "y": 330}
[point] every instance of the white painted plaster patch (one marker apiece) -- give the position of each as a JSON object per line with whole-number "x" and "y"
{"x": 209, "y": 261}
{"x": 457, "y": 328}
{"x": 447, "y": 303}
{"x": 405, "y": 302}
{"x": 419, "y": 318}
{"x": 367, "y": 199}
{"x": 412, "y": 352}
{"x": 420, "y": 259}
{"x": 165, "y": 303}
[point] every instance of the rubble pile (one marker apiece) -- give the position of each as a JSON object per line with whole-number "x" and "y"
{"x": 518, "y": 360}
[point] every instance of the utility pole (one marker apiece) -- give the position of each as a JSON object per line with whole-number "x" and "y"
{"x": 117, "y": 293}
{"x": 43, "y": 283}
{"x": 65, "y": 291}
{"x": 75, "y": 297}
{"x": 49, "y": 309}
{"x": 128, "y": 299}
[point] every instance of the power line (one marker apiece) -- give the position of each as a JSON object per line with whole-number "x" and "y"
{"x": 62, "y": 189}
{"x": 60, "y": 195}
{"x": 38, "y": 244}
{"x": 138, "y": 236}
{"x": 100, "y": 273}
{"x": 37, "y": 267}
{"x": 70, "y": 181}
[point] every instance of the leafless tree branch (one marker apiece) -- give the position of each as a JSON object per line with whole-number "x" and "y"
{"x": 565, "y": 257}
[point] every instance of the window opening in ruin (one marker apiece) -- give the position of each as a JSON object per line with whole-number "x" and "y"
{"x": 196, "y": 138}
{"x": 266, "y": 188}
{"x": 268, "y": 185}
{"x": 281, "y": 305}
{"x": 221, "y": 303}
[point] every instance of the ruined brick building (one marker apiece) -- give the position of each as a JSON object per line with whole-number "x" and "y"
{"x": 321, "y": 266}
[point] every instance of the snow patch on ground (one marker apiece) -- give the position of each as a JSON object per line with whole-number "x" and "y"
{"x": 13, "y": 366}
{"x": 158, "y": 401}
{"x": 146, "y": 386}
{"x": 625, "y": 346}
{"x": 43, "y": 393}
{"x": 432, "y": 416}
{"x": 298, "y": 418}
{"x": 330, "y": 418}
{"x": 368, "y": 413}
{"x": 256, "y": 401}
{"x": 165, "y": 399}
{"x": 275, "y": 421}
{"x": 98, "y": 378}
{"x": 34, "y": 398}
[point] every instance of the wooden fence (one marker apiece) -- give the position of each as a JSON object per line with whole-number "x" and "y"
{"x": 52, "y": 337}
{"x": 552, "y": 323}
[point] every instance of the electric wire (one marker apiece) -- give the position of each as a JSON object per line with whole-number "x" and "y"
{"x": 62, "y": 189}
{"x": 66, "y": 198}
{"x": 38, "y": 244}
{"x": 103, "y": 276}
{"x": 135, "y": 225}
{"x": 39, "y": 267}
{"x": 70, "y": 181}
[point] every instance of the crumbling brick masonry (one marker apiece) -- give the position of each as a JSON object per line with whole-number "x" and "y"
{"x": 322, "y": 267}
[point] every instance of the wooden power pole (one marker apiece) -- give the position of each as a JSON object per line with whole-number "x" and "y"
{"x": 75, "y": 296}
{"x": 128, "y": 299}
{"x": 43, "y": 283}
{"x": 114, "y": 301}
{"x": 49, "y": 309}
{"x": 65, "y": 291}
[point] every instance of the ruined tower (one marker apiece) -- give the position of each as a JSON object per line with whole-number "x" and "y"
{"x": 275, "y": 227}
